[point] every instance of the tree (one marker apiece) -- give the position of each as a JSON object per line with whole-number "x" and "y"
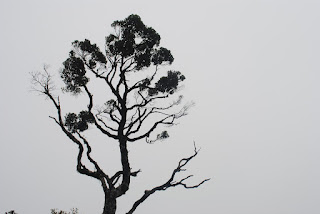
{"x": 136, "y": 108}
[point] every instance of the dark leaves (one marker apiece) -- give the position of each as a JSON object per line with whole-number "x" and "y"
{"x": 162, "y": 55}
{"x": 91, "y": 51}
{"x": 73, "y": 74}
{"x": 143, "y": 59}
{"x": 136, "y": 40}
{"x": 110, "y": 105}
{"x": 163, "y": 135}
{"x": 78, "y": 122}
{"x": 167, "y": 84}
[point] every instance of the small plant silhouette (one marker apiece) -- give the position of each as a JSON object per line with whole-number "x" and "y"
{"x": 73, "y": 211}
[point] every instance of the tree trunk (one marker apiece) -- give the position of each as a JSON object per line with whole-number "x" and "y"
{"x": 110, "y": 205}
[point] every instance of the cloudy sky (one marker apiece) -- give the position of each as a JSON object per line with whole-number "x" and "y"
{"x": 252, "y": 68}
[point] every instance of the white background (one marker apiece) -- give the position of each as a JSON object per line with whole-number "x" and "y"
{"x": 252, "y": 68}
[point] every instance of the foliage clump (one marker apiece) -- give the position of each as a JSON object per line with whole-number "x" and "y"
{"x": 78, "y": 122}
{"x": 72, "y": 211}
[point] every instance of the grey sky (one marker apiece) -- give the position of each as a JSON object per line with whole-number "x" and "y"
{"x": 252, "y": 67}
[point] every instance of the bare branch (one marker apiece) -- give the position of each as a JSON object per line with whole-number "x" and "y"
{"x": 146, "y": 102}
{"x": 171, "y": 183}
{"x": 42, "y": 81}
{"x": 157, "y": 110}
{"x": 105, "y": 125}
{"x": 95, "y": 121}
{"x": 168, "y": 119}
{"x": 141, "y": 117}
{"x": 118, "y": 174}
{"x": 155, "y": 125}
{"x": 99, "y": 170}
{"x": 80, "y": 167}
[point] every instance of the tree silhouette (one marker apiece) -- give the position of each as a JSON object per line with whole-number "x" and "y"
{"x": 141, "y": 99}
{"x": 11, "y": 212}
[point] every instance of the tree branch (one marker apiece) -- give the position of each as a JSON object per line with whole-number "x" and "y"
{"x": 95, "y": 120}
{"x": 146, "y": 102}
{"x": 160, "y": 110}
{"x": 44, "y": 81}
{"x": 99, "y": 170}
{"x": 171, "y": 183}
{"x": 118, "y": 174}
{"x": 155, "y": 125}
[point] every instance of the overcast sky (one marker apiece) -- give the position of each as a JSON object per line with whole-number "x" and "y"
{"x": 252, "y": 68}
